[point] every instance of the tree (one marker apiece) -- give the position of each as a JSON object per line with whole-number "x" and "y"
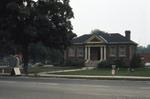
{"x": 95, "y": 31}
{"x": 40, "y": 53}
{"x": 135, "y": 61}
{"x": 142, "y": 49}
{"x": 23, "y": 22}
{"x": 148, "y": 49}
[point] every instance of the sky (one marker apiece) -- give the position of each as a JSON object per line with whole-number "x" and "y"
{"x": 113, "y": 16}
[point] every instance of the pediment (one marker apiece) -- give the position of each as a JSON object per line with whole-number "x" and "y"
{"x": 95, "y": 39}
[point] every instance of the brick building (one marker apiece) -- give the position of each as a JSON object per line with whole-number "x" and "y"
{"x": 100, "y": 46}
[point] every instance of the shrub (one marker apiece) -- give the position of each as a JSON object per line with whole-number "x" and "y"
{"x": 136, "y": 61}
{"x": 109, "y": 63}
{"x": 74, "y": 62}
{"x": 119, "y": 63}
{"x": 105, "y": 64}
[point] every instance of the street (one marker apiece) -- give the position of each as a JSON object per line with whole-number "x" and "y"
{"x": 59, "y": 88}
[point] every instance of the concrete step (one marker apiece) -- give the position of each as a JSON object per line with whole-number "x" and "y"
{"x": 91, "y": 63}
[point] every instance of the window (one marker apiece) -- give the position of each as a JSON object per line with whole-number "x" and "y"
{"x": 80, "y": 51}
{"x": 71, "y": 52}
{"x": 122, "y": 51}
{"x": 113, "y": 51}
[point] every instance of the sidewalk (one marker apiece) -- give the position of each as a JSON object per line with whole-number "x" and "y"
{"x": 58, "y": 71}
{"x": 47, "y": 74}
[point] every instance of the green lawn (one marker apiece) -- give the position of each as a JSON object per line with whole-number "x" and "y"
{"x": 107, "y": 72}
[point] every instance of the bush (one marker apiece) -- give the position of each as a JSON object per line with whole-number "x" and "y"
{"x": 105, "y": 64}
{"x": 74, "y": 62}
{"x": 119, "y": 63}
{"x": 45, "y": 55}
{"x": 136, "y": 61}
{"x": 108, "y": 63}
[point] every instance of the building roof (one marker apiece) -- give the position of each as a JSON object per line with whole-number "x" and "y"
{"x": 111, "y": 38}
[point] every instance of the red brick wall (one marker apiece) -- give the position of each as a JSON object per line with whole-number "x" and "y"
{"x": 126, "y": 58}
{"x": 145, "y": 57}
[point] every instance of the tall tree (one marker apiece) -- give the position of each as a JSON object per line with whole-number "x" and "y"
{"x": 25, "y": 21}
{"x": 95, "y": 31}
{"x": 142, "y": 49}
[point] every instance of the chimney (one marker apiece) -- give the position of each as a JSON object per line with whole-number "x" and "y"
{"x": 127, "y": 34}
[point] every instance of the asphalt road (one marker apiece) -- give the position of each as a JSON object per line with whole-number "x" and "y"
{"x": 56, "y": 88}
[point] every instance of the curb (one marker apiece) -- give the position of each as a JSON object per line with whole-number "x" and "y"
{"x": 93, "y": 77}
{"x": 132, "y": 78}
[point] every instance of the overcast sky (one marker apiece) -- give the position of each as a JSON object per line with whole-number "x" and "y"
{"x": 113, "y": 16}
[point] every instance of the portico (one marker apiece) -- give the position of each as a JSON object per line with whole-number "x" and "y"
{"x": 95, "y": 52}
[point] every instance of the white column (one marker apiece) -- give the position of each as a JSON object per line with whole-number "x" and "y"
{"x": 104, "y": 52}
{"x": 130, "y": 52}
{"x": 89, "y": 53}
{"x": 101, "y": 53}
{"x": 85, "y": 56}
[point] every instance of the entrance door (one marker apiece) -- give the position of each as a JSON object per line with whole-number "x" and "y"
{"x": 95, "y": 53}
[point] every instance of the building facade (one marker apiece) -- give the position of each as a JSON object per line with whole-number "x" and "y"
{"x": 101, "y": 46}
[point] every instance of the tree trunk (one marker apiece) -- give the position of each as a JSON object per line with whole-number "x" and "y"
{"x": 25, "y": 58}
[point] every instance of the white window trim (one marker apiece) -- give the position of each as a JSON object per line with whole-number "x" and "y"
{"x": 71, "y": 52}
{"x": 122, "y": 49}
{"x": 79, "y": 51}
{"x": 112, "y": 54}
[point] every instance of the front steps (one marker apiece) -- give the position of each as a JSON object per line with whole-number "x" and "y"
{"x": 90, "y": 63}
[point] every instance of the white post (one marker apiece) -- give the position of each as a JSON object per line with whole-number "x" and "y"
{"x": 85, "y": 53}
{"x": 101, "y": 53}
{"x": 104, "y": 52}
{"x": 89, "y": 56}
{"x": 130, "y": 52}
{"x": 3, "y": 71}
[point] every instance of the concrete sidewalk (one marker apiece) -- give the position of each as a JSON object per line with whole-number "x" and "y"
{"x": 50, "y": 74}
{"x": 70, "y": 70}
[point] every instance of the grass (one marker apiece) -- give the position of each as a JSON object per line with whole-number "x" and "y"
{"x": 137, "y": 72}
{"x": 107, "y": 72}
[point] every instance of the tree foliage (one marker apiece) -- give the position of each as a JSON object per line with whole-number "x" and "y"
{"x": 136, "y": 61}
{"x": 23, "y": 22}
{"x": 142, "y": 49}
{"x": 95, "y": 31}
{"x": 40, "y": 53}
